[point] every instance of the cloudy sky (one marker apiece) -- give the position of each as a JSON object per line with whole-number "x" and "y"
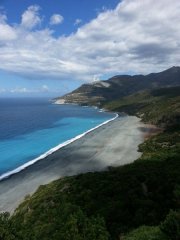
{"x": 48, "y": 48}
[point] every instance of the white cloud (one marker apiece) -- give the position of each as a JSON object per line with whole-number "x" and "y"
{"x": 19, "y": 90}
{"x": 43, "y": 89}
{"x": 7, "y": 32}
{"x": 31, "y": 18}
{"x": 56, "y": 19}
{"x": 137, "y": 36}
{"x": 77, "y": 21}
{"x": 3, "y": 18}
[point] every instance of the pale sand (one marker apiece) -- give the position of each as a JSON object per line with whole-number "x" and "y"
{"x": 113, "y": 144}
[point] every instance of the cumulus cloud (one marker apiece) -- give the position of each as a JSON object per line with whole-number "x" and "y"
{"x": 6, "y": 32}
{"x": 31, "y": 18}
{"x": 56, "y": 19}
{"x": 137, "y": 36}
{"x": 77, "y": 21}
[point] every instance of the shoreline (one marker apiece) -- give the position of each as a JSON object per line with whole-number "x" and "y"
{"x": 52, "y": 150}
{"x": 112, "y": 144}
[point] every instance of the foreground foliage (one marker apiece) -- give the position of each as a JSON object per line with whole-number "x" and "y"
{"x": 104, "y": 205}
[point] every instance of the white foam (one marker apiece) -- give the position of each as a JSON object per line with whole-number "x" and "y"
{"x": 61, "y": 145}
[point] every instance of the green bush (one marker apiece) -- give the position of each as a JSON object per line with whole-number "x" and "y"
{"x": 146, "y": 233}
{"x": 171, "y": 225}
{"x": 58, "y": 221}
{"x": 5, "y": 227}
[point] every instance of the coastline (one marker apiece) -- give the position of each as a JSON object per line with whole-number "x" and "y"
{"x": 113, "y": 144}
{"x": 52, "y": 150}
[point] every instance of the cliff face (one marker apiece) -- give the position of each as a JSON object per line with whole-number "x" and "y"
{"x": 98, "y": 93}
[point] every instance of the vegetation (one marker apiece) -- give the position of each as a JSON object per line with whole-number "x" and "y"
{"x": 146, "y": 233}
{"x": 158, "y": 106}
{"x": 138, "y": 201}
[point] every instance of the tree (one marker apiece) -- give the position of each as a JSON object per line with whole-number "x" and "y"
{"x": 5, "y": 227}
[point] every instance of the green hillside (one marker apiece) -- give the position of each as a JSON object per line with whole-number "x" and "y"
{"x": 138, "y": 201}
{"x": 158, "y": 106}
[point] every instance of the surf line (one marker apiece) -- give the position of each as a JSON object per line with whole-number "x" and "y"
{"x": 52, "y": 150}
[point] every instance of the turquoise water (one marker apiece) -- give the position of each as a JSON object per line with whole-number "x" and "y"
{"x": 30, "y": 128}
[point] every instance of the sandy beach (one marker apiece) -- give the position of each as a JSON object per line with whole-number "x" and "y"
{"x": 113, "y": 144}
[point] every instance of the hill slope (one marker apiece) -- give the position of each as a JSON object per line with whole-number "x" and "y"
{"x": 119, "y": 86}
{"x": 158, "y": 106}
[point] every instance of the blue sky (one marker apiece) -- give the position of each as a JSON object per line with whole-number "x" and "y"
{"x": 74, "y": 13}
{"x": 48, "y": 48}
{"x": 85, "y": 10}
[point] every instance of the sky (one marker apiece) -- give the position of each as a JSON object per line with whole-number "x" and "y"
{"x": 48, "y": 48}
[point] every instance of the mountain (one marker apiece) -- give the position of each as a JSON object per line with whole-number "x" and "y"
{"x": 100, "y": 92}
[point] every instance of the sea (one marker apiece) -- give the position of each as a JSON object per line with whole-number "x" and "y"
{"x": 33, "y": 128}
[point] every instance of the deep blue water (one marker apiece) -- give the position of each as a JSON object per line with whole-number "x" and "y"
{"x": 31, "y": 127}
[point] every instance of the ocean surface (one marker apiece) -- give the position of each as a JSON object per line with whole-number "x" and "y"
{"x": 31, "y": 129}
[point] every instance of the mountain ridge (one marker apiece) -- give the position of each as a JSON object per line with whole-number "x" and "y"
{"x": 98, "y": 93}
